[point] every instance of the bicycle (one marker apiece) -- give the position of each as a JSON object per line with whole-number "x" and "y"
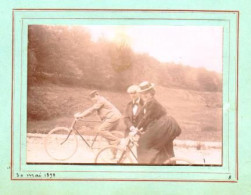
{"x": 61, "y": 143}
{"x": 124, "y": 153}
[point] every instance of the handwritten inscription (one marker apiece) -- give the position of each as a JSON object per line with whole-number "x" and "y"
{"x": 36, "y": 175}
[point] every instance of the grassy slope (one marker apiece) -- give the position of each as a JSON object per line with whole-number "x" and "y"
{"x": 198, "y": 113}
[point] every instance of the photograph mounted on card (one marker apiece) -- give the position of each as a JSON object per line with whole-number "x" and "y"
{"x": 125, "y": 95}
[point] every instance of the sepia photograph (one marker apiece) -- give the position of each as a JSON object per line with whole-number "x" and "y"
{"x": 114, "y": 97}
{"x": 125, "y": 94}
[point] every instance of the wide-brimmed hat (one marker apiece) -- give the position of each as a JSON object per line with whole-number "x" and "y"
{"x": 133, "y": 89}
{"x": 145, "y": 86}
{"x": 93, "y": 93}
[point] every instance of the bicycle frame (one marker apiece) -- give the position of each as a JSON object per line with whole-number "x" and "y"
{"x": 73, "y": 129}
{"x": 128, "y": 148}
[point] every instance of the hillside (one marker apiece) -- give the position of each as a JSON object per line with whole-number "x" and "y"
{"x": 67, "y": 55}
{"x": 199, "y": 113}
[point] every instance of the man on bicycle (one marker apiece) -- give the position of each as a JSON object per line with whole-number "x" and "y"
{"x": 108, "y": 113}
{"x": 132, "y": 112}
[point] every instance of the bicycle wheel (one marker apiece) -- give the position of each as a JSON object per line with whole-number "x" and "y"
{"x": 98, "y": 142}
{"x": 113, "y": 154}
{"x": 178, "y": 161}
{"x": 58, "y": 146}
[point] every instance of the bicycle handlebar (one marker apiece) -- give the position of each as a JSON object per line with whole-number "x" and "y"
{"x": 138, "y": 132}
{"x": 82, "y": 118}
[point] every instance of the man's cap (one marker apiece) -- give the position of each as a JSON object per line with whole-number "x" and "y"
{"x": 93, "y": 93}
{"x": 133, "y": 89}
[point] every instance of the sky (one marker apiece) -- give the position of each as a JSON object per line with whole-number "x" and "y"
{"x": 196, "y": 46}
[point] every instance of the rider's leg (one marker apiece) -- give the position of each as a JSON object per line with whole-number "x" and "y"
{"x": 105, "y": 129}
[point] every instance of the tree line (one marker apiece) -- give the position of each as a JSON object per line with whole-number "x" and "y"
{"x": 67, "y": 55}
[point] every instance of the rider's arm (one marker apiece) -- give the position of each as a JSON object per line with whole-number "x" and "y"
{"x": 153, "y": 111}
{"x": 92, "y": 109}
{"x": 146, "y": 119}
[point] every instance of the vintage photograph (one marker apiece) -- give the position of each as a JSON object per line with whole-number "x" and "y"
{"x": 125, "y": 94}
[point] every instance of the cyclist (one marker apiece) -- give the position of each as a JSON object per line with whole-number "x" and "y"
{"x": 108, "y": 113}
{"x": 160, "y": 129}
{"x": 131, "y": 115}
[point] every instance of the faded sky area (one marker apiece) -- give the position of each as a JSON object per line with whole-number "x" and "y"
{"x": 196, "y": 46}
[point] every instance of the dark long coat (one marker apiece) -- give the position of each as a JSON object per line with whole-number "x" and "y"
{"x": 129, "y": 118}
{"x": 156, "y": 144}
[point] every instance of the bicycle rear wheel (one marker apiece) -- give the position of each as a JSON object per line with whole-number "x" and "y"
{"x": 113, "y": 154}
{"x": 58, "y": 145}
{"x": 178, "y": 161}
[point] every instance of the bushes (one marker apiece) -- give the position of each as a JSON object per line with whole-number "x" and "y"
{"x": 37, "y": 108}
{"x": 44, "y": 104}
{"x": 52, "y": 101}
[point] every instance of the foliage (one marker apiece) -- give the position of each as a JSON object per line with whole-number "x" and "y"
{"x": 67, "y": 55}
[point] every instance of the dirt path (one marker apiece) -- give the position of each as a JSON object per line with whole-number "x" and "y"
{"x": 208, "y": 153}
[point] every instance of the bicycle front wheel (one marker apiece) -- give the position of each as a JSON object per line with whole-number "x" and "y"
{"x": 113, "y": 154}
{"x": 61, "y": 144}
{"x": 178, "y": 161}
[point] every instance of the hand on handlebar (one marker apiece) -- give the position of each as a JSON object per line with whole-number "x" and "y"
{"x": 132, "y": 128}
{"x": 135, "y": 130}
{"x": 78, "y": 115}
{"x": 132, "y": 133}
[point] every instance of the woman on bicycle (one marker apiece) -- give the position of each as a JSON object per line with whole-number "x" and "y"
{"x": 160, "y": 129}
